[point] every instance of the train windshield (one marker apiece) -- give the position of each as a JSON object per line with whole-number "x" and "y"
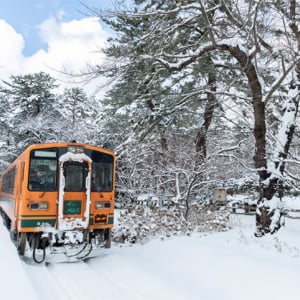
{"x": 102, "y": 172}
{"x": 43, "y": 170}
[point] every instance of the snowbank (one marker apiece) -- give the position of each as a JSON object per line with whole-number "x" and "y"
{"x": 14, "y": 283}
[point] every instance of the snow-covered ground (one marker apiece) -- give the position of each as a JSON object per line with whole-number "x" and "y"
{"x": 232, "y": 265}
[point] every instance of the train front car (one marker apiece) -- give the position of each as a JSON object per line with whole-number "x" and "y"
{"x": 66, "y": 208}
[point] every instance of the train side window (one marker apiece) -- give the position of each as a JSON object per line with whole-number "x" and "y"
{"x": 43, "y": 170}
{"x": 8, "y": 181}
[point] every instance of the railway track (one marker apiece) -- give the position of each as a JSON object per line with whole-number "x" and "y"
{"x": 112, "y": 277}
{"x": 67, "y": 281}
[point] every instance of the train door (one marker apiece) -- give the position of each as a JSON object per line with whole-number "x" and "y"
{"x": 74, "y": 191}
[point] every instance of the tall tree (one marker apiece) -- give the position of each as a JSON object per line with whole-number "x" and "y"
{"x": 78, "y": 114}
{"x": 31, "y": 102}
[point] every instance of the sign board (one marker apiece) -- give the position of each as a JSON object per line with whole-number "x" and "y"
{"x": 220, "y": 195}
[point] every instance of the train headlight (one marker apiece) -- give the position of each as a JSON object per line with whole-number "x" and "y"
{"x": 100, "y": 205}
{"x": 39, "y": 205}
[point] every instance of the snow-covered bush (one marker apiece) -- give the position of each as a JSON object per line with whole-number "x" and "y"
{"x": 138, "y": 223}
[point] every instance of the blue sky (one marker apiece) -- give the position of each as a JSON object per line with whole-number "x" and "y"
{"x": 26, "y": 15}
{"x": 50, "y": 36}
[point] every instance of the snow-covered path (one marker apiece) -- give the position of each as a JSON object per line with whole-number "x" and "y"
{"x": 231, "y": 265}
{"x": 14, "y": 282}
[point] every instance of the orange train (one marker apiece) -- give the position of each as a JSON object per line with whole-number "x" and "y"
{"x": 57, "y": 200}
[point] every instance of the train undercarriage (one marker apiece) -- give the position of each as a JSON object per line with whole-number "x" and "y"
{"x": 51, "y": 245}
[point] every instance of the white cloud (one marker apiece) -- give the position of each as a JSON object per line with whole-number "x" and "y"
{"x": 70, "y": 47}
{"x": 11, "y": 48}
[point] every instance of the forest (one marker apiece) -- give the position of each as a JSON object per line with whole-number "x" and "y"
{"x": 203, "y": 94}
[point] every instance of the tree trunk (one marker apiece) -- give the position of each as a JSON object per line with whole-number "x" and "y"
{"x": 202, "y": 133}
{"x": 269, "y": 217}
{"x": 268, "y": 185}
{"x": 269, "y": 212}
{"x": 208, "y": 115}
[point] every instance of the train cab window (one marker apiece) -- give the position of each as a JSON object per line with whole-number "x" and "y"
{"x": 102, "y": 172}
{"x": 43, "y": 170}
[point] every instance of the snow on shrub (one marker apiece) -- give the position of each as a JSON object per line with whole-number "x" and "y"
{"x": 138, "y": 223}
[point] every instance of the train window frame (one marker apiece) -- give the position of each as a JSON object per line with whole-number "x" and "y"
{"x": 8, "y": 181}
{"x": 102, "y": 162}
{"x": 40, "y": 180}
{"x": 73, "y": 186}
